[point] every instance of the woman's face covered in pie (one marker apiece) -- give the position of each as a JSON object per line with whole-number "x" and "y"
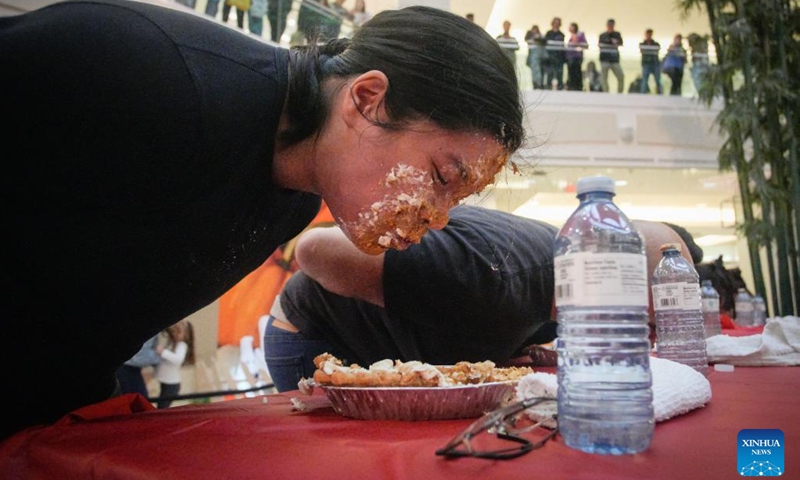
{"x": 402, "y": 183}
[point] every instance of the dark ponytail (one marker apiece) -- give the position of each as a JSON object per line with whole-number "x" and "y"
{"x": 307, "y": 108}
{"x": 440, "y": 67}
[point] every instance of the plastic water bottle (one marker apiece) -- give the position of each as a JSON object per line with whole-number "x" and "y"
{"x": 679, "y": 317}
{"x": 710, "y": 305}
{"x": 605, "y": 400}
{"x": 744, "y": 308}
{"x": 759, "y": 310}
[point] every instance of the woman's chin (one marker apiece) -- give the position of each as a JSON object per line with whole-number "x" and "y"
{"x": 377, "y": 244}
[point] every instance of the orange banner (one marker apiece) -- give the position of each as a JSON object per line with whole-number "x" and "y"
{"x": 242, "y": 306}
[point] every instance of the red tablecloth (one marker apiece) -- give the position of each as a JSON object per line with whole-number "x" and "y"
{"x": 743, "y": 331}
{"x": 264, "y": 438}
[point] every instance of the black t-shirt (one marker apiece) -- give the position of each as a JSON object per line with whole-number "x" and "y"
{"x": 650, "y": 51}
{"x": 556, "y": 51}
{"x": 479, "y": 289}
{"x": 609, "y": 50}
{"x": 138, "y": 189}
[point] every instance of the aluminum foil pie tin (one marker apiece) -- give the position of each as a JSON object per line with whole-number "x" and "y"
{"x": 418, "y": 403}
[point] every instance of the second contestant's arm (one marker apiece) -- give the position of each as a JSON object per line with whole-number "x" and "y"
{"x": 327, "y": 256}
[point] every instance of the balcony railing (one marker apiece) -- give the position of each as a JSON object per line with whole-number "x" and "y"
{"x": 629, "y": 62}
{"x": 307, "y": 18}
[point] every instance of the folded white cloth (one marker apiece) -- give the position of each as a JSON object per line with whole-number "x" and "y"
{"x": 677, "y": 389}
{"x": 779, "y": 344}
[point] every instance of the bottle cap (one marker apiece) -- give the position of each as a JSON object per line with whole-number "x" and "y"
{"x": 597, "y": 183}
{"x": 671, "y": 246}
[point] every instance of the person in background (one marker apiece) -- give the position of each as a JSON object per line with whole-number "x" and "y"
{"x": 226, "y": 13}
{"x": 129, "y": 375}
{"x": 359, "y": 13}
{"x": 341, "y": 10}
{"x": 188, "y": 3}
{"x": 216, "y": 149}
{"x": 508, "y": 43}
{"x": 255, "y": 17}
{"x": 674, "y": 62}
{"x": 537, "y": 52}
{"x": 212, "y": 8}
{"x": 315, "y": 20}
{"x": 480, "y": 289}
{"x": 332, "y": 24}
{"x": 700, "y": 62}
{"x": 609, "y": 44}
{"x": 651, "y": 65}
{"x": 575, "y": 47}
{"x": 277, "y": 14}
{"x": 554, "y": 40}
{"x": 591, "y": 78}
{"x": 179, "y": 350}
{"x": 637, "y": 84}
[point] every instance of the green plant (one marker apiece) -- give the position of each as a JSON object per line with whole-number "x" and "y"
{"x": 757, "y": 76}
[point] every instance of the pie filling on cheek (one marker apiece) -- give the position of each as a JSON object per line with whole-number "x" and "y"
{"x": 400, "y": 219}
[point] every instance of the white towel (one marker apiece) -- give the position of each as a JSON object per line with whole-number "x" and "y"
{"x": 779, "y": 344}
{"x": 677, "y": 389}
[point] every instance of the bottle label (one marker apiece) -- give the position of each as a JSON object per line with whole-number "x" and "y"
{"x": 676, "y": 296}
{"x": 744, "y": 307}
{"x": 711, "y": 305}
{"x": 601, "y": 279}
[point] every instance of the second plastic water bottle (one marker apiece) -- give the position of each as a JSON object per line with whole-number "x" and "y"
{"x": 744, "y": 308}
{"x": 605, "y": 401}
{"x": 759, "y": 310}
{"x": 710, "y": 306}
{"x": 679, "y": 320}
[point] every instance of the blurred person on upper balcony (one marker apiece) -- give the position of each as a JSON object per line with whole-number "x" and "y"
{"x": 609, "y": 44}
{"x": 591, "y": 78}
{"x": 360, "y": 14}
{"x": 575, "y": 47}
{"x": 554, "y": 70}
{"x": 227, "y": 5}
{"x": 508, "y": 43}
{"x": 277, "y": 14}
{"x": 674, "y": 62}
{"x": 651, "y": 65}
{"x": 255, "y": 17}
{"x": 537, "y": 54}
{"x": 700, "y": 60}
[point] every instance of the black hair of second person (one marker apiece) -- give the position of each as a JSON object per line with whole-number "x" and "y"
{"x": 695, "y": 251}
{"x": 440, "y": 66}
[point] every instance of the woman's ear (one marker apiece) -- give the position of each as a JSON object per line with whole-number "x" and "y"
{"x": 365, "y": 99}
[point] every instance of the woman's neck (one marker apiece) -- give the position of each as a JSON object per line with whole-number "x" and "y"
{"x": 292, "y": 166}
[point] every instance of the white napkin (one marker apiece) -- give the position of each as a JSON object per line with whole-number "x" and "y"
{"x": 779, "y": 344}
{"x": 677, "y": 388}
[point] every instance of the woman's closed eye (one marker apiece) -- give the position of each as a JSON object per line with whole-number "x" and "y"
{"x": 437, "y": 176}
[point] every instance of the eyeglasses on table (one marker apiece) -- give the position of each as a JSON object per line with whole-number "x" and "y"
{"x": 506, "y": 424}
